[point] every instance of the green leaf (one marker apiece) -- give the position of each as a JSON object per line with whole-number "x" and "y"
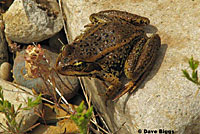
{"x": 20, "y": 123}
{"x": 19, "y": 107}
{"x": 7, "y": 104}
{"x": 1, "y": 102}
{"x": 1, "y": 94}
{"x": 195, "y": 76}
{"x": 2, "y": 108}
{"x": 186, "y": 74}
{"x": 13, "y": 122}
{"x": 193, "y": 63}
{"x": 80, "y": 108}
{"x": 31, "y": 103}
{"x": 88, "y": 114}
{"x": 196, "y": 64}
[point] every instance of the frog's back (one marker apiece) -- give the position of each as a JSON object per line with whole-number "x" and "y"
{"x": 103, "y": 38}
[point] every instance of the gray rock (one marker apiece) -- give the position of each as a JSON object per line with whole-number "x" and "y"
{"x": 28, "y": 21}
{"x": 19, "y": 95}
{"x": 37, "y": 83}
{"x": 165, "y": 100}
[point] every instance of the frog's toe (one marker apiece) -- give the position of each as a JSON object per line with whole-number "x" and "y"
{"x": 105, "y": 95}
{"x": 129, "y": 87}
{"x": 111, "y": 91}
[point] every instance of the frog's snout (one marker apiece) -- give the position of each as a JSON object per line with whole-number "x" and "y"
{"x": 58, "y": 62}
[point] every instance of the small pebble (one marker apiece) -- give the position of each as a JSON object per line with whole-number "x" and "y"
{"x": 5, "y": 71}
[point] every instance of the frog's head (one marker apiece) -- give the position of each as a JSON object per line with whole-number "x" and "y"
{"x": 69, "y": 63}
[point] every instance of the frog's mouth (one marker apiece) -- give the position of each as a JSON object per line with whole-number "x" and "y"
{"x": 70, "y": 71}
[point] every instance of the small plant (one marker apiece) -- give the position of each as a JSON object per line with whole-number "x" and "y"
{"x": 194, "y": 76}
{"x": 37, "y": 65}
{"x": 31, "y": 103}
{"x": 8, "y": 109}
{"x": 82, "y": 117}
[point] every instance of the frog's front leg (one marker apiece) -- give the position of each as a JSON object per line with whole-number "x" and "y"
{"x": 137, "y": 67}
{"x": 115, "y": 83}
{"x": 112, "y": 15}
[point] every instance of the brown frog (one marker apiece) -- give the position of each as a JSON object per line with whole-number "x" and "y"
{"x": 112, "y": 45}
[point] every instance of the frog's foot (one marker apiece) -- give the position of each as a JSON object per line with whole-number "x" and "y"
{"x": 111, "y": 91}
{"x": 129, "y": 87}
{"x": 109, "y": 94}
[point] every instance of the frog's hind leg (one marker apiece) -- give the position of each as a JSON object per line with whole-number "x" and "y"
{"x": 111, "y": 15}
{"x": 137, "y": 73}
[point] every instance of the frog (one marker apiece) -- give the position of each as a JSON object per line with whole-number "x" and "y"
{"x": 113, "y": 45}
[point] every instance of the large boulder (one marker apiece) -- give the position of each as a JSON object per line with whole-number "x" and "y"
{"x": 28, "y": 21}
{"x": 165, "y": 101}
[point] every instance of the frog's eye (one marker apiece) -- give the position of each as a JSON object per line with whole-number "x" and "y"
{"x": 78, "y": 63}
